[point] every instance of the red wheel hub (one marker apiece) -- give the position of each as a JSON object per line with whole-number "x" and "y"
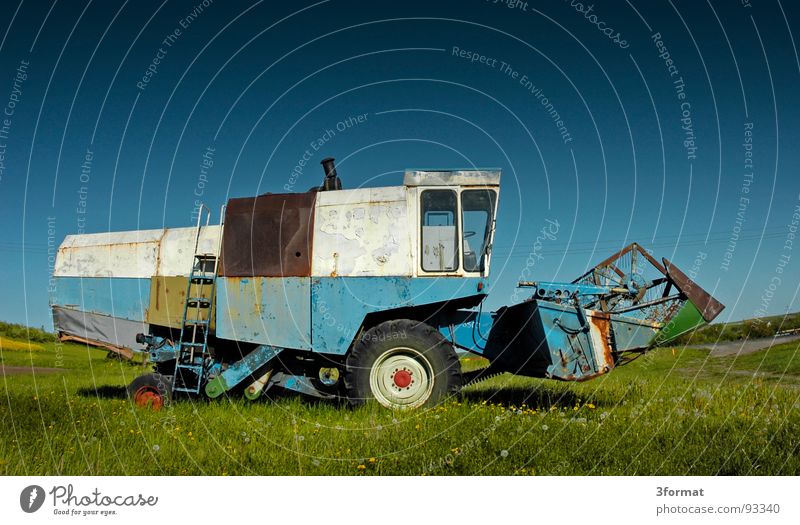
{"x": 148, "y": 396}
{"x": 402, "y": 378}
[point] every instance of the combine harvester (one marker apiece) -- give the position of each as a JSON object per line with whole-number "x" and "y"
{"x": 362, "y": 294}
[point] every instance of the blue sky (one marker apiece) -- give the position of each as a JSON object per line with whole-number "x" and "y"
{"x": 114, "y": 113}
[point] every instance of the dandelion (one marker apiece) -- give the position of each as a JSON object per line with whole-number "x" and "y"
{"x": 372, "y": 460}
{"x": 361, "y": 467}
{"x": 604, "y": 415}
{"x": 156, "y": 448}
{"x": 301, "y": 438}
{"x": 504, "y": 453}
{"x": 315, "y": 462}
{"x": 379, "y": 427}
{"x": 591, "y": 406}
{"x": 545, "y": 428}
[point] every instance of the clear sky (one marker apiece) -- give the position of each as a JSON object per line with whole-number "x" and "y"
{"x": 670, "y": 123}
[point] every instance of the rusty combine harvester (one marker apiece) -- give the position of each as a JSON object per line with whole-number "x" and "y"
{"x": 363, "y": 294}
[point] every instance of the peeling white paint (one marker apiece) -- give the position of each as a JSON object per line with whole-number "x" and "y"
{"x": 368, "y": 231}
{"x": 133, "y": 254}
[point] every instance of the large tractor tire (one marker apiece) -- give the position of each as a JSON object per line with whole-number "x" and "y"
{"x": 152, "y": 391}
{"x": 402, "y": 364}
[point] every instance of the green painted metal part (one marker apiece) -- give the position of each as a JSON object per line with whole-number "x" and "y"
{"x": 687, "y": 318}
{"x": 216, "y": 387}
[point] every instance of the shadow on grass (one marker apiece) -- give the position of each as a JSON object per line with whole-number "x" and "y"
{"x": 104, "y": 392}
{"x": 539, "y": 398}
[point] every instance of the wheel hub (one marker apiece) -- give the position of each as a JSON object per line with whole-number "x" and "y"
{"x": 148, "y": 396}
{"x": 402, "y": 378}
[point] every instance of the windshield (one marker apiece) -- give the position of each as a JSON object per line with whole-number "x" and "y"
{"x": 477, "y": 207}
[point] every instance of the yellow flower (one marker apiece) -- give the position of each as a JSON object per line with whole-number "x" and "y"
{"x": 591, "y": 406}
{"x": 372, "y": 460}
{"x": 361, "y": 467}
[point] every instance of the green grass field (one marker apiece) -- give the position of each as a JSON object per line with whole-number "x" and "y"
{"x": 667, "y": 413}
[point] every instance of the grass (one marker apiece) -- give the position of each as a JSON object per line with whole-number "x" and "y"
{"x": 739, "y": 330}
{"x": 11, "y": 344}
{"x": 674, "y": 414}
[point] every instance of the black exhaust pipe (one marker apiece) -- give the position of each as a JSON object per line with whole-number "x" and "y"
{"x": 331, "y": 181}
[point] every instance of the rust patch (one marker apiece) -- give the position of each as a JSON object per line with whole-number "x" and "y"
{"x": 268, "y": 236}
{"x": 708, "y": 306}
{"x": 602, "y": 321}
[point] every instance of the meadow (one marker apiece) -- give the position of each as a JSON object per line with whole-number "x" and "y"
{"x": 672, "y": 412}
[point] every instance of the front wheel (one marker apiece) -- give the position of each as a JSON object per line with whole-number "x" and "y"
{"x": 152, "y": 391}
{"x": 402, "y": 364}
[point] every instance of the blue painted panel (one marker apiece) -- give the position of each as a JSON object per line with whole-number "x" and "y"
{"x": 471, "y": 334}
{"x": 123, "y": 298}
{"x": 339, "y": 304}
{"x": 266, "y": 310}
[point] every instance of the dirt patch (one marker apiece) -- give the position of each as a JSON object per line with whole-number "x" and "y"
{"x": 748, "y": 346}
{"x": 20, "y": 370}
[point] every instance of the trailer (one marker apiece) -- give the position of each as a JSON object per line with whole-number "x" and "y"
{"x": 365, "y": 294}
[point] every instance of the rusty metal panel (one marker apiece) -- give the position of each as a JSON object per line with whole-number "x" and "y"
{"x": 167, "y": 300}
{"x": 709, "y": 307}
{"x": 268, "y": 236}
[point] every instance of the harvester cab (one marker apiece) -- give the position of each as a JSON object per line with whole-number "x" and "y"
{"x": 363, "y": 293}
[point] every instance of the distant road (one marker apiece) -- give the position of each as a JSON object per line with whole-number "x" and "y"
{"x": 724, "y": 348}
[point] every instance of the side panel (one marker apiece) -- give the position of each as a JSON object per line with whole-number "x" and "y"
{"x": 268, "y": 235}
{"x": 362, "y": 232}
{"x": 167, "y": 300}
{"x": 97, "y": 328}
{"x": 121, "y": 298}
{"x": 104, "y": 310}
{"x": 339, "y": 305}
{"x": 176, "y": 253}
{"x": 266, "y": 310}
{"x": 123, "y": 254}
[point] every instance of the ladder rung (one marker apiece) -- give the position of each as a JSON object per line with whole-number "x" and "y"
{"x": 205, "y": 256}
{"x": 184, "y": 343}
{"x": 202, "y": 280}
{"x": 195, "y": 302}
{"x": 190, "y": 367}
{"x": 198, "y": 322}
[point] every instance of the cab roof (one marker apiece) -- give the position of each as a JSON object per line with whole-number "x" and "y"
{"x": 482, "y": 177}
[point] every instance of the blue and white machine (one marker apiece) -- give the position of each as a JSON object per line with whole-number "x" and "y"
{"x": 360, "y": 293}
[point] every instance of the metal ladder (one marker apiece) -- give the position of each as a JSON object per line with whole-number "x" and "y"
{"x": 193, "y": 353}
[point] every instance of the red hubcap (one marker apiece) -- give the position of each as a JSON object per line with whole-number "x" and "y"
{"x": 402, "y": 378}
{"x": 148, "y": 397}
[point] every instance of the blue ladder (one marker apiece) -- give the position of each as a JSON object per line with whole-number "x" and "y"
{"x": 193, "y": 352}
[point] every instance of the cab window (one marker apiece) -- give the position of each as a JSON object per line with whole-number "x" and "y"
{"x": 439, "y": 231}
{"x": 477, "y": 208}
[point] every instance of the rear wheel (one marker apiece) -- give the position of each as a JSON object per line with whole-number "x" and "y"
{"x": 402, "y": 364}
{"x": 152, "y": 391}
